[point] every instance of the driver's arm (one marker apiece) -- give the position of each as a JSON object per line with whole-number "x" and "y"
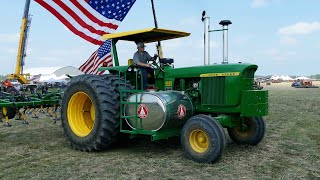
{"x": 136, "y": 61}
{"x": 143, "y": 64}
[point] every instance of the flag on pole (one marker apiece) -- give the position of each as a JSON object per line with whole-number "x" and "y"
{"x": 102, "y": 56}
{"x": 89, "y": 19}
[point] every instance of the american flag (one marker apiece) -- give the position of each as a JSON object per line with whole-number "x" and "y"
{"x": 89, "y": 19}
{"x": 101, "y": 56}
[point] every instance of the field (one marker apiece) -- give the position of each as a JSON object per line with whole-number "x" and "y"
{"x": 290, "y": 150}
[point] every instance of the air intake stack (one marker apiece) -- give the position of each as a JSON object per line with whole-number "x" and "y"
{"x": 225, "y": 24}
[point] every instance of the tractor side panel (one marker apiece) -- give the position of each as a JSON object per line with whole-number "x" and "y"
{"x": 254, "y": 103}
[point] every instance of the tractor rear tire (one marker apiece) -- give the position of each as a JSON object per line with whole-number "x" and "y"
{"x": 252, "y": 135}
{"x": 90, "y": 113}
{"x": 203, "y": 139}
{"x": 120, "y": 84}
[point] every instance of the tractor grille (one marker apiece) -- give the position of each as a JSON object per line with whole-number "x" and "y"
{"x": 213, "y": 91}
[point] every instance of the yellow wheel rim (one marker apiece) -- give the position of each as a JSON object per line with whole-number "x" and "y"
{"x": 81, "y": 114}
{"x": 199, "y": 141}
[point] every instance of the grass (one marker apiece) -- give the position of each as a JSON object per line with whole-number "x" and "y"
{"x": 290, "y": 150}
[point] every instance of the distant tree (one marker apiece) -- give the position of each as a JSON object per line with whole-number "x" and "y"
{"x": 2, "y": 77}
{"x": 317, "y": 76}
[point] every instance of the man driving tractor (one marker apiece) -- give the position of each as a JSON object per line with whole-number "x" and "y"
{"x": 141, "y": 58}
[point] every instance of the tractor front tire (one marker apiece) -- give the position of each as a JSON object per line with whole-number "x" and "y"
{"x": 90, "y": 113}
{"x": 203, "y": 139}
{"x": 251, "y": 134}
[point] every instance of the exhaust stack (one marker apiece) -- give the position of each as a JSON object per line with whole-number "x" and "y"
{"x": 225, "y": 24}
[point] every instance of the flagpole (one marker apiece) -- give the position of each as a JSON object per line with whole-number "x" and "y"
{"x": 159, "y": 48}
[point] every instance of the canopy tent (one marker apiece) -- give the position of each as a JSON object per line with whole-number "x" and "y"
{"x": 52, "y": 74}
{"x": 282, "y": 77}
{"x": 302, "y": 77}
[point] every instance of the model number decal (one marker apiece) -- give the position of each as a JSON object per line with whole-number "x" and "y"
{"x": 220, "y": 74}
{"x": 168, "y": 83}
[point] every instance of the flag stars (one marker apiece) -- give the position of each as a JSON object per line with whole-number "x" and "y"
{"x": 112, "y": 9}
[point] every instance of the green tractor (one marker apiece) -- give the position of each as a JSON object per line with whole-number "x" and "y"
{"x": 195, "y": 103}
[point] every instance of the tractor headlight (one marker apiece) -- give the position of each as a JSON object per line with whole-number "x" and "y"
{"x": 195, "y": 86}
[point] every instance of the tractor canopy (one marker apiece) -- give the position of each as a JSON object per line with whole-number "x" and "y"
{"x": 146, "y": 35}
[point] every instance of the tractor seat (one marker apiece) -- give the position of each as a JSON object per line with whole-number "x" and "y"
{"x": 166, "y": 60}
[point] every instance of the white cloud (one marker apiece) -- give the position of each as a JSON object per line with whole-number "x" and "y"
{"x": 9, "y": 38}
{"x": 300, "y": 28}
{"x": 278, "y": 54}
{"x": 11, "y": 50}
{"x": 258, "y": 3}
{"x": 286, "y": 40}
{"x": 191, "y": 21}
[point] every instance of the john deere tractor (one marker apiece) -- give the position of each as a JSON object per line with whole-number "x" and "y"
{"x": 195, "y": 103}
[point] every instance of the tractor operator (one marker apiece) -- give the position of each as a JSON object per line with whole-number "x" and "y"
{"x": 140, "y": 58}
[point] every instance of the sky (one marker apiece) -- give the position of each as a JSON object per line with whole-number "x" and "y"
{"x": 280, "y": 36}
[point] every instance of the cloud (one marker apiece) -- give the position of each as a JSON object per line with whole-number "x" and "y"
{"x": 258, "y": 3}
{"x": 9, "y": 38}
{"x": 11, "y": 50}
{"x": 286, "y": 40}
{"x": 300, "y": 28}
{"x": 190, "y": 21}
{"x": 278, "y": 54}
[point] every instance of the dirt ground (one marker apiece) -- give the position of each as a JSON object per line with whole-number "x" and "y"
{"x": 290, "y": 150}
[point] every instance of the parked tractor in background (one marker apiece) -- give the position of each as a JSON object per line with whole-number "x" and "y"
{"x": 303, "y": 83}
{"x": 195, "y": 103}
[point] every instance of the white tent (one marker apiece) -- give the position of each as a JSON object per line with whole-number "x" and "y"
{"x": 302, "y": 77}
{"x": 275, "y": 77}
{"x": 52, "y": 74}
{"x": 282, "y": 77}
{"x": 287, "y": 78}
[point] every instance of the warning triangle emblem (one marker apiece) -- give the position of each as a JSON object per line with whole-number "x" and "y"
{"x": 142, "y": 111}
{"x": 181, "y": 111}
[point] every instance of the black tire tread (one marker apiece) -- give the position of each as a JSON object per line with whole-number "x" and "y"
{"x": 106, "y": 90}
{"x": 108, "y": 99}
{"x": 253, "y": 140}
{"x": 213, "y": 128}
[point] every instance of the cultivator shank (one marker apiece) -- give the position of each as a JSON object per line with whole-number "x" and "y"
{"x": 21, "y": 104}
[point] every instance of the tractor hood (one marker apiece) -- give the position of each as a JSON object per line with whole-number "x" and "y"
{"x": 239, "y": 69}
